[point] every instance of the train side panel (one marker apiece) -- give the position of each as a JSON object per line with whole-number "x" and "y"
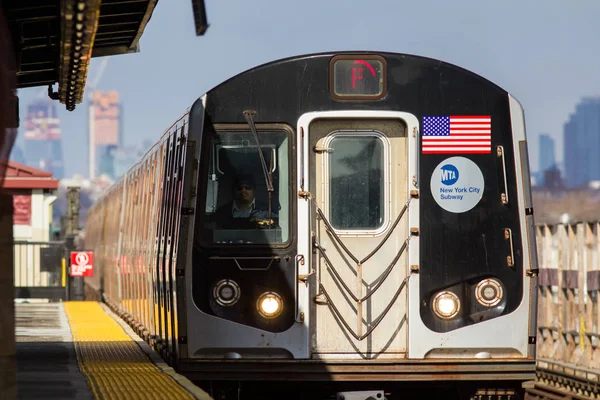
{"x": 134, "y": 229}
{"x": 526, "y": 214}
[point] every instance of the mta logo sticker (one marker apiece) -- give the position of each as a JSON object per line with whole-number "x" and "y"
{"x": 457, "y": 184}
{"x": 449, "y": 174}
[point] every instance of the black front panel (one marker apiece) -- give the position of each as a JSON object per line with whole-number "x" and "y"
{"x": 252, "y": 255}
{"x": 461, "y": 249}
{"x": 254, "y": 276}
{"x": 457, "y": 250}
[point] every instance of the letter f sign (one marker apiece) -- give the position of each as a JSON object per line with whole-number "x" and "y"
{"x": 357, "y": 74}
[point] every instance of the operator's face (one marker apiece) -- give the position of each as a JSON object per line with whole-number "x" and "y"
{"x": 244, "y": 193}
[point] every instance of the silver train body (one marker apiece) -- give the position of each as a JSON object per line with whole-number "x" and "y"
{"x": 393, "y": 251}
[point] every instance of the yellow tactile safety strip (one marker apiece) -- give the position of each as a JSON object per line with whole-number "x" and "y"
{"x": 115, "y": 366}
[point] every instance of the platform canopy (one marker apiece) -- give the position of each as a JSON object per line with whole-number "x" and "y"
{"x": 54, "y": 40}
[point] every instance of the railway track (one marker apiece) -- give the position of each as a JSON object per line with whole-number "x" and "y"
{"x": 558, "y": 381}
{"x": 550, "y": 392}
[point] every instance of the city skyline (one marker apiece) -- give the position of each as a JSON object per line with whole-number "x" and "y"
{"x": 105, "y": 115}
{"x": 547, "y": 152}
{"x": 119, "y": 143}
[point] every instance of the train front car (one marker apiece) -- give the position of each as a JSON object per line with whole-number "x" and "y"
{"x": 365, "y": 220}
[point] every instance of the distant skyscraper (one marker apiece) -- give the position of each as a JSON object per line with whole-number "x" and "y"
{"x": 547, "y": 158}
{"x": 42, "y": 138}
{"x": 124, "y": 159}
{"x": 582, "y": 144}
{"x": 104, "y": 132}
{"x": 106, "y": 160}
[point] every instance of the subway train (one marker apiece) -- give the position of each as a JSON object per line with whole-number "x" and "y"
{"x": 357, "y": 225}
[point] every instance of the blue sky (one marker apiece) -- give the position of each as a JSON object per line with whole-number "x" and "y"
{"x": 544, "y": 52}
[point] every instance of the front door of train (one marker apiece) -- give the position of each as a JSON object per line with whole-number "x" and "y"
{"x": 357, "y": 177}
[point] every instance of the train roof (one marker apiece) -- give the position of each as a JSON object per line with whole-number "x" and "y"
{"x": 417, "y": 59}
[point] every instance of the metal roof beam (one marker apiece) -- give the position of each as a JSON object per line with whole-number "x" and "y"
{"x": 114, "y": 50}
{"x": 79, "y": 26}
{"x": 199, "y": 17}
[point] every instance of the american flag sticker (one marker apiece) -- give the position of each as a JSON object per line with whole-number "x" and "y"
{"x": 457, "y": 134}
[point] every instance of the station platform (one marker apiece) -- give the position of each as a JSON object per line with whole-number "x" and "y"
{"x": 82, "y": 350}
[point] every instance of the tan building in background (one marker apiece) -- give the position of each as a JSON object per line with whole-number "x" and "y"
{"x": 34, "y": 192}
{"x": 105, "y": 135}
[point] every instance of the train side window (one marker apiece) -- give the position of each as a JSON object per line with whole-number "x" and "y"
{"x": 356, "y": 178}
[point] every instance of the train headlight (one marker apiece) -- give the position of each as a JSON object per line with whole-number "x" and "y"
{"x": 269, "y": 305}
{"x": 446, "y": 305}
{"x": 489, "y": 292}
{"x": 226, "y": 292}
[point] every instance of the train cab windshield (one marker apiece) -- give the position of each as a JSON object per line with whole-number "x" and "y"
{"x": 240, "y": 209}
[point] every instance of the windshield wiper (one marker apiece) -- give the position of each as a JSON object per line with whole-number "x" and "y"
{"x": 266, "y": 172}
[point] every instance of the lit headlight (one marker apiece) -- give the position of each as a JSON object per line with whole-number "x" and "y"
{"x": 446, "y": 305}
{"x": 269, "y": 305}
{"x": 226, "y": 292}
{"x": 489, "y": 292}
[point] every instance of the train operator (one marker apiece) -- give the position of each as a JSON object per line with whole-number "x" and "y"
{"x": 244, "y": 205}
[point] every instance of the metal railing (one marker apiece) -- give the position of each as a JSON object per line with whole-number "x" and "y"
{"x": 568, "y": 312}
{"x": 40, "y": 270}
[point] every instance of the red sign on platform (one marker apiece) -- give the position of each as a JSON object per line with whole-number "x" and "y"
{"x": 82, "y": 263}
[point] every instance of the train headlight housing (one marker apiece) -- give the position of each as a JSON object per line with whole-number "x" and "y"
{"x": 269, "y": 305}
{"x": 226, "y": 292}
{"x": 446, "y": 305}
{"x": 489, "y": 292}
